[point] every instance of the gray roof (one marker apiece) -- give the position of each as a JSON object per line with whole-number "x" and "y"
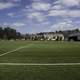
{"x": 75, "y": 34}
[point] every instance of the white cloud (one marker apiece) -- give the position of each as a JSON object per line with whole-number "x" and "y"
{"x": 65, "y": 4}
{"x": 62, "y": 26}
{"x": 11, "y": 14}
{"x": 37, "y": 0}
{"x": 46, "y": 23}
{"x": 14, "y": 25}
{"x": 36, "y": 15}
{"x": 74, "y": 13}
{"x": 13, "y": 0}
{"x": 6, "y": 5}
{"x": 41, "y": 6}
{"x": 57, "y": 7}
{"x": 5, "y": 24}
{"x": 68, "y": 3}
{"x": 17, "y": 0}
{"x": 18, "y": 24}
{"x": 65, "y": 24}
{"x": 61, "y": 8}
{"x": 68, "y": 13}
{"x": 57, "y": 12}
{"x": 36, "y": 10}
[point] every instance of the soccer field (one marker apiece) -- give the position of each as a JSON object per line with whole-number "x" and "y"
{"x": 39, "y": 60}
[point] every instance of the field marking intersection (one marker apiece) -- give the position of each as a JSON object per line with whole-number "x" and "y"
{"x": 15, "y": 50}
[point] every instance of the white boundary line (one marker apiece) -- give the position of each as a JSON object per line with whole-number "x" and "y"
{"x": 15, "y": 50}
{"x": 41, "y": 64}
{"x": 35, "y": 64}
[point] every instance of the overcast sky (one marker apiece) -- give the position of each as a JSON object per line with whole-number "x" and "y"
{"x": 40, "y": 15}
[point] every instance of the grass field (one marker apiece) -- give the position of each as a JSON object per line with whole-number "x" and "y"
{"x": 39, "y": 53}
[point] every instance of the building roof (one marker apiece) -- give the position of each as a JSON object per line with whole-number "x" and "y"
{"x": 75, "y": 34}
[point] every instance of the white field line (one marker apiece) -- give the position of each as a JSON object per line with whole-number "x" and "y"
{"x": 15, "y": 50}
{"x": 40, "y": 64}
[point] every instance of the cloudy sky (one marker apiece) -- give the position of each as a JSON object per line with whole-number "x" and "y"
{"x": 31, "y": 16}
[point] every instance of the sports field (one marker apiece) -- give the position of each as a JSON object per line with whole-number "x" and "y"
{"x": 39, "y": 60}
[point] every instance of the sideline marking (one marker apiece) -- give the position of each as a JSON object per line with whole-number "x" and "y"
{"x": 15, "y": 50}
{"x": 40, "y": 64}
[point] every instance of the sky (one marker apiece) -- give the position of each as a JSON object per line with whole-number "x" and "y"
{"x": 32, "y": 16}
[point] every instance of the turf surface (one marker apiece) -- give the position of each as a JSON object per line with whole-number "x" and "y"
{"x": 40, "y": 52}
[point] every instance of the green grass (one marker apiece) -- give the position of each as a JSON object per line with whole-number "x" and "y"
{"x": 39, "y": 72}
{"x": 40, "y": 52}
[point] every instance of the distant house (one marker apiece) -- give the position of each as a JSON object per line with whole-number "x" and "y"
{"x": 74, "y": 37}
{"x": 54, "y": 36}
{"x": 66, "y": 35}
{"x": 48, "y": 36}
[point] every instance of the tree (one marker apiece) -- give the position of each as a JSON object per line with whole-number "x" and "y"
{"x": 1, "y": 33}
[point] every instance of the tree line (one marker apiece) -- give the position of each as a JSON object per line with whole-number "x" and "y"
{"x": 9, "y": 33}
